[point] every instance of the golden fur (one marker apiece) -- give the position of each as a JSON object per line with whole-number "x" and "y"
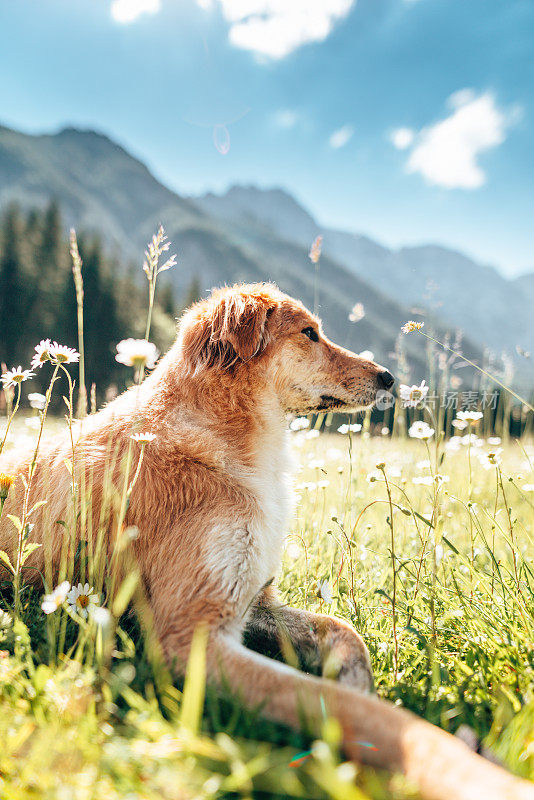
{"x": 211, "y": 504}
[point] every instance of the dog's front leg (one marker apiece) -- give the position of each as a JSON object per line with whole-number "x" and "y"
{"x": 323, "y": 645}
{"x": 373, "y": 731}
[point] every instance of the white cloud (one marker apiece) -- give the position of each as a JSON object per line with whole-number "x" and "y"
{"x": 446, "y": 153}
{"x": 402, "y": 138}
{"x": 340, "y": 137}
{"x": 125, "y": 11}
{"x": 275, "y": 28}
{"x": 461, "y": 98}
{"x": 285, "y": 118}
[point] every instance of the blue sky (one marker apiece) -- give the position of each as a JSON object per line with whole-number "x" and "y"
{"x": 411, "y": 121}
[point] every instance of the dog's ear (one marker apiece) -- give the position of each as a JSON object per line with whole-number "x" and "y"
{"x": 227, "y": 328}
{"x": 244, "y": 320}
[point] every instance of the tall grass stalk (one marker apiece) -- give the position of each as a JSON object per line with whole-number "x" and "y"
{"x": 24, "y": 548}
{"x": 315, "y": 257}
{"x": 11, "y": 414}
{"x": 77, "y": 265}
{"x": 382, "y": 468}
{"x": 155, "y": 249}
{"x": 480, "y": 369}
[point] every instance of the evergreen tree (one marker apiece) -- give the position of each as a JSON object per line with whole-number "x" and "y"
{"x": 194, "y": 292}
{"x": 99, "y": 317}
{"x": 166, "y": 299}
{"x": 38, "y": 298}
{"x": 12, "y": 289}
{"x": 49, "y": 272}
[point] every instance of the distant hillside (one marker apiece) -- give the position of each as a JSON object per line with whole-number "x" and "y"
{"x": 246, "y": 235}
{"x": 492, "y": 310}
{"x": 525, "y": 284}
{"x": 98, "y": 185}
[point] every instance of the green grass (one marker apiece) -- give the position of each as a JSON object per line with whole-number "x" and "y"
{"x": 448, "y": 619}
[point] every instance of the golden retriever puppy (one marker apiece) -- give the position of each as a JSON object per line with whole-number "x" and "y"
{"x": 211, "y": 504}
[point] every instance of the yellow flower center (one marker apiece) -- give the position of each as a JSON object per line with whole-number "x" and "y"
{"x": 83, "y": 601}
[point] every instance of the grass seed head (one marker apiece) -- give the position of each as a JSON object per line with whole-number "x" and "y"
{"x": 411, "y": 325}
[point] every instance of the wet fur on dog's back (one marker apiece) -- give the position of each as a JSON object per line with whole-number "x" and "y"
{"x": 211, "y": 504}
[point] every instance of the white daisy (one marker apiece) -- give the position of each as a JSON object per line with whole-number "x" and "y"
{"x": 42, "y": 353}
{"x": 143, "y": 438}
{"x": 459, "y": 424}
{"x": 357, "y": 313}
{"x": 411, "y": 396}
{"x": 137, "y": 353}
{"x": 367, "y": 354}
{"x": 306, "y": 486}
{"x": 293, "y": 550}
{"x": 16, "y": 375}
{"x": 61, "y": 354}
{"x": 51, "y": 602}
{"x": 471, "y": 417}
{"x": 373, "y": 476}
{"x": 101, "y": 616}
{"x": 299, "y": 424}
{"x": 421, "y": 430}
{"x": 334, "y": 454}
{"x": 490, "y": 460}
{"x": 37, "y": 400}
{"x": 354, "y": 428}
{"x": 528, "y": 487}
{"x": 324, "y": 591}
{"x": 423, "y": 480}
{"x": 471, "y": 439}
{"x": 82, "y": 600}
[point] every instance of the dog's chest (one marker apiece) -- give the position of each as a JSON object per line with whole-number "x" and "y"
{"x": 271, "y": 488}
{"x": 248, "y": 548}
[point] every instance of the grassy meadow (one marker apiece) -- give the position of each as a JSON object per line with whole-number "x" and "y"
{"x": 423, "y": 542}
{"x": 444, "y": 599}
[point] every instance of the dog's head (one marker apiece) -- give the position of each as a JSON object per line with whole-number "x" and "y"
{"x": 257, "y": 327}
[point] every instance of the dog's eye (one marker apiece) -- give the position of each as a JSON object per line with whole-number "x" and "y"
{"x": 311, "y": 333}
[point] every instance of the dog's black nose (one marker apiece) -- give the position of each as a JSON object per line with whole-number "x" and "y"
{"x": 385, "y": 379}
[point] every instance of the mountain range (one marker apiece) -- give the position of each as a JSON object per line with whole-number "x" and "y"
{"x": 490, "y": 309}
{"x": 256, "y": 234}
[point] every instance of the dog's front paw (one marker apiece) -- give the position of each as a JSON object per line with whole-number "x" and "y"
{"x": 357, "y": 674}
{"x": 349, "y": 664}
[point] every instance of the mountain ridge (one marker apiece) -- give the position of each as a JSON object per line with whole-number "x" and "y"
{"x": 441, "y": 279}
{"x": 102, "y": 188}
